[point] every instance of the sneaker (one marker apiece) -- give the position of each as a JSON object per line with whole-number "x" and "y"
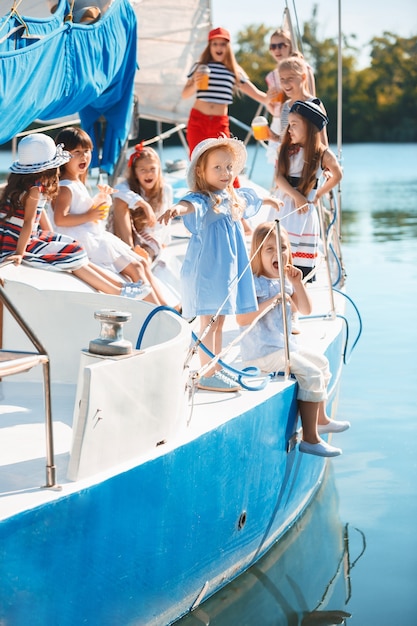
{"x": 332, "y": 427}
{"x": 229, "y": 374}
{"x": 138, "y": 291}
{"x": 217, "y": 382}
{"x": 295, "y": 328}
{"x": 319, "y": 449}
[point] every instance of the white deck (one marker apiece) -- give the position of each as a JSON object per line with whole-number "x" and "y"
{"x": 22, "y": 440}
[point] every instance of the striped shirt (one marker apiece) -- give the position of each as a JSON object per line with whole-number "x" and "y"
{"x": 221, "y": 83}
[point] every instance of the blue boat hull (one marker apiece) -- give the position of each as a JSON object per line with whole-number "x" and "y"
{"x": 146, "y": 545}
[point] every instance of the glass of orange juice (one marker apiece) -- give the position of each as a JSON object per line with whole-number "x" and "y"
{"x": 260, "y": 128}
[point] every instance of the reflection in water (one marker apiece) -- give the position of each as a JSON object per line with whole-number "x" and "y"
{"x": 305, "y": 580}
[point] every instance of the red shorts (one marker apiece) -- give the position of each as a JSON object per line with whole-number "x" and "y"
{"x": 201, "y": 126}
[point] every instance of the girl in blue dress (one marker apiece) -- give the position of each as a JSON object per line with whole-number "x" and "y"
{"x": 215, "y": 276}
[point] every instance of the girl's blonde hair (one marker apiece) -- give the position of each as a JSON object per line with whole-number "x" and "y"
{"x": 294, "y": 64}
{"x": 155, "y": 195}
{"x": 238, "y": 204}
{"x": 260, "y": 236}
{"x": 229, "y": 62}
{"x": 73, "y": 138}
{"x": 313, "y": 152}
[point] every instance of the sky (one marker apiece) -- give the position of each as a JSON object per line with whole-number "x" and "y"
{"x": 364, "y": 18}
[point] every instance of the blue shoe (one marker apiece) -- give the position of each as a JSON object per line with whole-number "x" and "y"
{"x": 319, "y": 449}
{"x": 332, "y": 427}
{"x": 229, "y": 374}
{"x": 218, "y": 382}
{"x": 138, "y": 291}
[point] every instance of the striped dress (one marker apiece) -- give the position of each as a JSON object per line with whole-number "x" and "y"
{"x": 45, "y": 249}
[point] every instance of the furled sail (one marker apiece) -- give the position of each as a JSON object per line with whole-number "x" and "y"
{"x": 171, "y": 36}
{"x": 54, "y": 67}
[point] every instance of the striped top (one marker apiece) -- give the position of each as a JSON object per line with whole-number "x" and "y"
{"x": 45, "y": 249}
{"x": 221, "y": 83}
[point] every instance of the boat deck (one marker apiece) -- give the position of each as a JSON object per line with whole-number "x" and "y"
{"x": 22, "y": 440}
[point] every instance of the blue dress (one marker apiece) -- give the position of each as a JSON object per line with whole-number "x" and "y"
{"x": 217, "y": 257}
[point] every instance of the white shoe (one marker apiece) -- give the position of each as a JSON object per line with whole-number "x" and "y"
{"x": 319, "y": 449}
{"x": 332, "y": 427}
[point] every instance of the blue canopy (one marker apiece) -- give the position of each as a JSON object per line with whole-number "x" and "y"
{"x": 64, "y": 68}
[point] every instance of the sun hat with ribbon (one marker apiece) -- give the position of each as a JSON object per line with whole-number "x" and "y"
{"x": 311, "y": 111}
{"x": 37, "y": 152}
{"x": 238, "y": 149}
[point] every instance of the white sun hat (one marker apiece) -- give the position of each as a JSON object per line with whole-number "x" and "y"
{"x": 38, "y": 152}
{"x": 237, "y": 146}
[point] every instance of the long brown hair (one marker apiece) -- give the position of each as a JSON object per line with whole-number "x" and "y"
{"x": 13, "y": 196}
{"x": 313, "y": 151}
{"x": 155, "y": 196}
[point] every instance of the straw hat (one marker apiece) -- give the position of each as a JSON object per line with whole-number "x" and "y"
{"x": 37, "y": 153}
{"x": 237, "y": 146}
{"x": 311, "y": 111}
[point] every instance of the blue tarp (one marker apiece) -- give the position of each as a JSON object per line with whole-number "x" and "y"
{"x": 72, "y": 68}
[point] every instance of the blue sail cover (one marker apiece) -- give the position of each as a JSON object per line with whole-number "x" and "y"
{"x": 65, "y": 68}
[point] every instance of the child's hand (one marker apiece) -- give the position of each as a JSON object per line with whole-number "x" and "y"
{"x": 274, "y": 202}
{"x": 168, "y": 215}
{"x": 96, "y": 213}
{"x": 301, "y": 204}
{"x": 148, "y": 210}
{"x": 293, "y": 274}
{"x": 16, "y": 258}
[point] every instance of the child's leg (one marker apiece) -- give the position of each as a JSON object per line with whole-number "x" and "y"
{"x": 308, "y": 414}
{"x": 212, "y": 341}
{"x": 122, "y": 224}
{"x": 138, "y": 271}
{"x": 95, "y": 279}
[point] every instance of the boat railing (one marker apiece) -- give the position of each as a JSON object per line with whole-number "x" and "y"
{"x": 15, "y": 362}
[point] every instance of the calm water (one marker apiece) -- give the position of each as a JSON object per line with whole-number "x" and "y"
{"x": 366, "y": 514}
{"x": 374, "y": 482}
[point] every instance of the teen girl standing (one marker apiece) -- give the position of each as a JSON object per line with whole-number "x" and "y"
{"x": 302, "y": 159}
{"x": 209, "y": 115}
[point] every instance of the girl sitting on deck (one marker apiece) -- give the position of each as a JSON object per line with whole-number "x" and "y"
{"x": 25, "y": 230}
{"x": 75, "y": 214}
{"x": 263, "y": 345}
{"x": 139, "y": 200}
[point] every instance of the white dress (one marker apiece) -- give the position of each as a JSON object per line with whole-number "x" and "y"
{"x": 103, "y": 248}
{"x": 303, "y": 228}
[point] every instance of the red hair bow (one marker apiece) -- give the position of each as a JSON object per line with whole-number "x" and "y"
{"x": 135, "y": 155}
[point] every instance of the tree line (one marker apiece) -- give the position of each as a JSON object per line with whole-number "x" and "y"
{"x": 378, "y": 102}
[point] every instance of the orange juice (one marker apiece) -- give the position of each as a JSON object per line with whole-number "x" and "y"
{"x": 260, "y": 128}
{"x": 203, "y": 79}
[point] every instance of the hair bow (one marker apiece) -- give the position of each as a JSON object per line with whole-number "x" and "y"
{"x": 293, "y": 148}
{"x": 135, "y": 155}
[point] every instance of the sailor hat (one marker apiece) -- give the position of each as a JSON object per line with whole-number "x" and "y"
{"x": 38, "y": 152}
{"x": 237, "y": 146}
{"x": 311, "y": 111}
